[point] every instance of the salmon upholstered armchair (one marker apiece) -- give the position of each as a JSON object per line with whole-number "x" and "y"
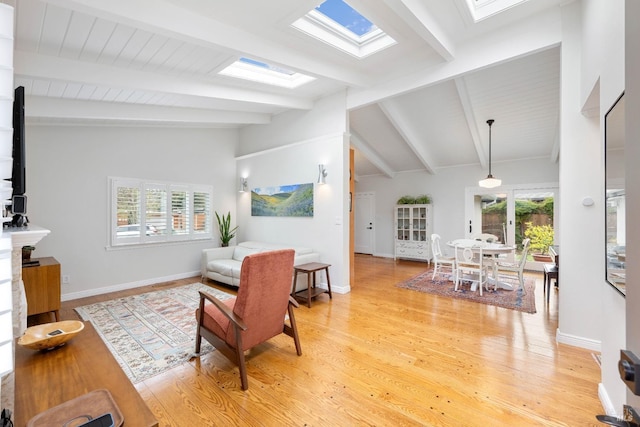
{"x": 256, "y": 314}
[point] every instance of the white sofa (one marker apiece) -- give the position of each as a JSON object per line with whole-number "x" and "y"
{"x": 223, "y": 264}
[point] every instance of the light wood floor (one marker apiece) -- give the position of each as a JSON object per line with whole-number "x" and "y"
{"x": 386, "y": 356}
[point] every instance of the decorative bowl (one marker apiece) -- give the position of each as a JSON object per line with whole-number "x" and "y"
{"x": 50, "y": 335}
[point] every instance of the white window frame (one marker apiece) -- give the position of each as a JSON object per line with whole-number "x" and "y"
{"x": 165, "y": 226}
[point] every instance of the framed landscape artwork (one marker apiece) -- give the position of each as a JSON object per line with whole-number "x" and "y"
{"x": 285, "y": 200}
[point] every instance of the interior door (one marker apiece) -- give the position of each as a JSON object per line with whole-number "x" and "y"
{"x": 364, "y": 223}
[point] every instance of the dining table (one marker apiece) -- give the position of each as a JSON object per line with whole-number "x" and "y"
{"x": 488, "y": 248}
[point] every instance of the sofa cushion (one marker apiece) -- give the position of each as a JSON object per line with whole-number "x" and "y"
{"x": 240, "y": 252}
{"x": 264, "y": 247}
{"x": 225, "y": 267}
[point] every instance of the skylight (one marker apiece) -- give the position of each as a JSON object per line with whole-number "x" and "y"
{"x": 250, "y": 69}
{"x": 481, "y": 9}
{"x": 336, "y": 23}
{"x": 346, "y": 16}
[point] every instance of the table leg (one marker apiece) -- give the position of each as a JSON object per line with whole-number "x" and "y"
{"x": 295, "y": 283}
{"x": 309, "y": 287}
{"x": 328, "y": 282}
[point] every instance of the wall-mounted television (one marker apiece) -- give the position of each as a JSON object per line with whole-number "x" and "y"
{"x": 18, "y": 178}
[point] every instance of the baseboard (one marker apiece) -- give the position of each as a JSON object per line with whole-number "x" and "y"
{"x": 335, "y": 289}
{"x": 123, "y": 286}
{"x": 383, "y": 255}
{"x": 577, "y": 341}
{"x": 608, "y": 406}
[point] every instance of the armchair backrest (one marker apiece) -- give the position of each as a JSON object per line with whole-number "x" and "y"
{"x": 263, "y": 295}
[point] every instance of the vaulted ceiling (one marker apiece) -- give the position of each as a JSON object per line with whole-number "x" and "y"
{"x": 421, "y": 104}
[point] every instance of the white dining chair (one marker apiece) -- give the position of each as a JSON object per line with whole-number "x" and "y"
{"x": 512, "y": 270}
{"x": 471, "y": 266}
{"x": 441, "y": 263}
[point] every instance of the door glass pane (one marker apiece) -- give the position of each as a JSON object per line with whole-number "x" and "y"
{"x": 493, "y": 215}
{"x": 534, "y": 219}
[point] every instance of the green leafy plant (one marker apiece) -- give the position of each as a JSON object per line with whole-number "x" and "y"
{"x": 406, "y": 200}
{"x": 423, "y": 199}
{"x": 224, "y": 225}
{"x": 541, "y": 237}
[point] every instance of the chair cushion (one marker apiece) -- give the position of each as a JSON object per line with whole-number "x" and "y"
{"x": 214, "y": 320}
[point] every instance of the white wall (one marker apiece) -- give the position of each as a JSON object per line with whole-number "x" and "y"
{"x": 67, "y": 170}
{"x": 303, "y": 140}
{"x": 632, "y": 149}
{"x": 581, "y": 174}
{"x": 447, "y": 189}
{"x": 590, "y": 309}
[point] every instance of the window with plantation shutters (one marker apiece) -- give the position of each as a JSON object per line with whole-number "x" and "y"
{"x": 145, "y": 212}
{"x": 202, "y": 209}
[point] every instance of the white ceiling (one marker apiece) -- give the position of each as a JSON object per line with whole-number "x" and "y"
{"x": 421, "y": 104}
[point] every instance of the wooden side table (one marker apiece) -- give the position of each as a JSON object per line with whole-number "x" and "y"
{"x": 42, "y": 287}
{"x": 312, "y": 291}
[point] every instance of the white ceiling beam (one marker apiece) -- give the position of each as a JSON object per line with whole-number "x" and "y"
{"x": 61, "y": 69}
{"x": 361, "y": 145}
{"x": 422, "y": 21}
{"x": 539, "y": 33}
{"x": 169, "y": 19}
{"x": 393, "y": 112}
{"x": 58, "y": 108}
{"x": 465, "y": 100}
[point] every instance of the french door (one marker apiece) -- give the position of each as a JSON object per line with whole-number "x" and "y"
{"x": 508, "y": 211}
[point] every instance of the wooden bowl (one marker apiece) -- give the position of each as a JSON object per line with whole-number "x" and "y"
{"x": 50, "y": 335}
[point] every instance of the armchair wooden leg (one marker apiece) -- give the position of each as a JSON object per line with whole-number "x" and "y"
{"x": 293, "y": 331}
{"x": 240, "y": 358}
{"x": 199, "y": 315}
{"x": 198, "y": 340}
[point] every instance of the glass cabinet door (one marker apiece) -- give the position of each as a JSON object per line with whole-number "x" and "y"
{"x": 419, "y": 223}
{"x": 403, "y": 224}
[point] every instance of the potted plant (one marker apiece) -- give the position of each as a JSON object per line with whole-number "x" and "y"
{"x": 423, "y": 199}
{"x": 224, "y": 226}
{"x": 541, "y": 238}
{"x": 406, "y": 200}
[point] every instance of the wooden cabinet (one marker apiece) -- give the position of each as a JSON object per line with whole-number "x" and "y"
{"x": 42, "y": 287}
{"x": 413, "y": 228}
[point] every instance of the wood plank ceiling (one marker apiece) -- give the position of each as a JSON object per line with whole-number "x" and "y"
{"x": 421, "y": 104}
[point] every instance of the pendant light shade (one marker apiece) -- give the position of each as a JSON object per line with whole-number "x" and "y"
{"x": 490, "y": 181}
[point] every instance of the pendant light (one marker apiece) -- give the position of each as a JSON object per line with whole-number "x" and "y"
{"x": 490, "y": 181}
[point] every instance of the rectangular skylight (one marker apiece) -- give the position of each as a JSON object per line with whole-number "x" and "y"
{"x": 346, "y": 16}
{"x": 257, "y": 71}
{"x": 336, "y": 23}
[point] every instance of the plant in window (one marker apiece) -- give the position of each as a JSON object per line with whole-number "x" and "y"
{"x": 541, "y": 237}
{"x": 224, "y": 226}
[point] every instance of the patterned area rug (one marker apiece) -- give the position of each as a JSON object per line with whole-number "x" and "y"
{"x": 515, "y": 300}
{"x": 152, "y": 332}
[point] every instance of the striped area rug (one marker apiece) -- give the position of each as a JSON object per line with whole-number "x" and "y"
{"x": 151, "y": 332}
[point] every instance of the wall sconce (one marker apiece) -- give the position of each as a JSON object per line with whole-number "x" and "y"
{"x": 322, "y": 174}
{"x": 244, "y": 185}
